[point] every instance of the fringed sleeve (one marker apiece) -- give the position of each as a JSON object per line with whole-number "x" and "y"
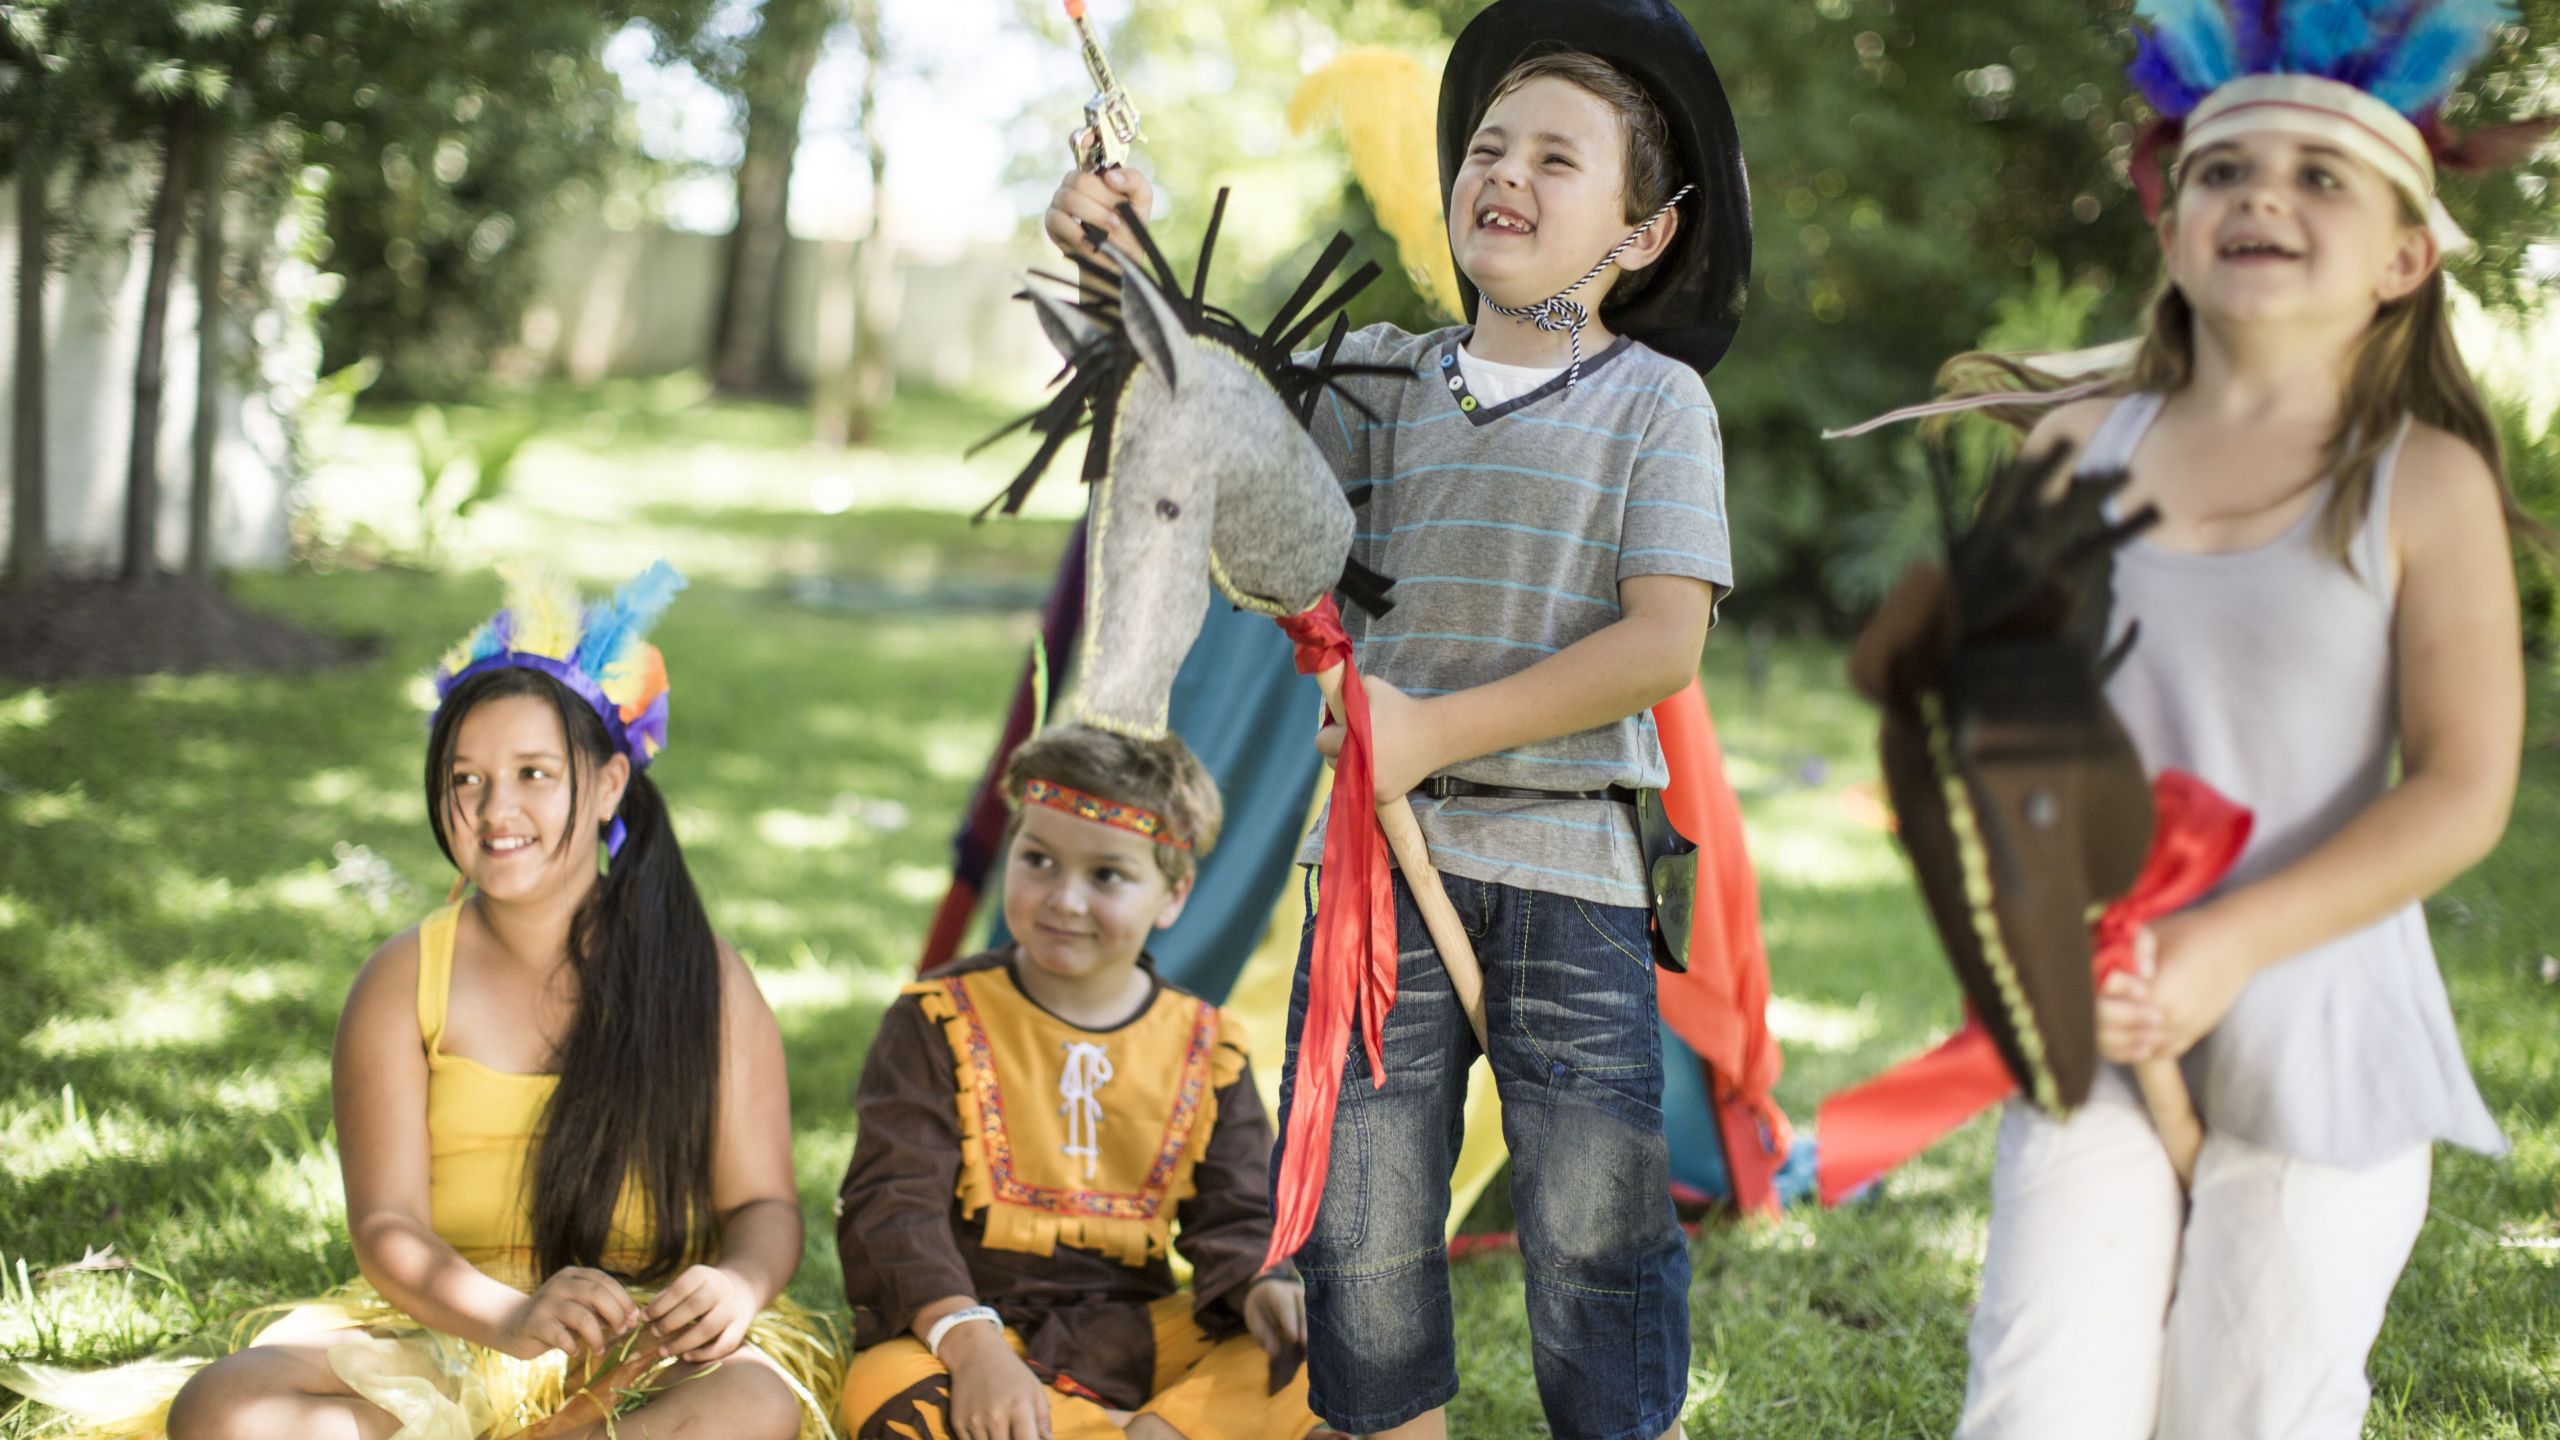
{"x": 893, "y": 1216}
{"x": 1226, "y": 1217}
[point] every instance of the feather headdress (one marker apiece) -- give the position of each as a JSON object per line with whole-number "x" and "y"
{"x": 600, "y": 651}
{"x": 2369, "y": 76}
{"x": 2408, "y": 54}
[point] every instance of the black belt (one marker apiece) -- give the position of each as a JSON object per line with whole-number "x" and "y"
{"x": 1450, "y": 787}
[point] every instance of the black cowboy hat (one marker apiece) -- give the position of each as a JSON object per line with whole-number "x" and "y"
{"x": 1691, "y": 309}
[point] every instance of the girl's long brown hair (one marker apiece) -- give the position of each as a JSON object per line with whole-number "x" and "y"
{"x": 637, "y": 1105}
{"x": 2405, "y": 364}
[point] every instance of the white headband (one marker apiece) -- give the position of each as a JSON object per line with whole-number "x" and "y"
{"x": 2335, "y": 113}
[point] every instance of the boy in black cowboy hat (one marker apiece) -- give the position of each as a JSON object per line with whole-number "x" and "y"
{"x": 1549, "y": 501}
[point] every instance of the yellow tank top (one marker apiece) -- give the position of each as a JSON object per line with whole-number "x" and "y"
{"x": 481, "y": 1125}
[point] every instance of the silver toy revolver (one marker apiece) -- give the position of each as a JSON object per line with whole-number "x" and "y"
{"x": 1110, "y": 120}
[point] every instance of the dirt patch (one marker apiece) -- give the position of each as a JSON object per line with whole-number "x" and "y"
{"x": 104, "y": 629}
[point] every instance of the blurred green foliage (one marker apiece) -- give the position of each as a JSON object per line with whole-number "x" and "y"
{"x": 1925, "y": 179}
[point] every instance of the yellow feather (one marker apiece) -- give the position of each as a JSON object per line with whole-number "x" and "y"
{"x": 459, "y": 657}
{"x": 1387, "y": 106}
{"x": 545, "y": 608}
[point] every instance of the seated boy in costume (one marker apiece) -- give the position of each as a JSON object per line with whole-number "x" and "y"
{"x": 1039, "y": 1123}
{"x": 1545, "y": 487}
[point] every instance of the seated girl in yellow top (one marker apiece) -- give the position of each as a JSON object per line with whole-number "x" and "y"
{"x": 560, "y": 1105}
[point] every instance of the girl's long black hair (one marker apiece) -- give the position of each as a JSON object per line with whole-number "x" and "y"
{"x": 640, "y": 1067}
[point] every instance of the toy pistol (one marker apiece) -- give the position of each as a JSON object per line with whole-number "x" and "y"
{"x": 1110, "y": 120}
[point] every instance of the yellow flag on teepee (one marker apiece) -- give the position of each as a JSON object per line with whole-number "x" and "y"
{"x": 1386, "y": 105}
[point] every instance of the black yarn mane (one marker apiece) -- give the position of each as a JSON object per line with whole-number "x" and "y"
{"x": 1090, "y": 385}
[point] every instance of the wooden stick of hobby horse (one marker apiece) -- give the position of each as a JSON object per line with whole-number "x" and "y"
{"x": 1413, "y": 857}
{"x": 2173, "y": 1114}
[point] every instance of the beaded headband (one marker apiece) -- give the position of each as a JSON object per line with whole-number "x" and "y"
{"x": 1143, "y": 823}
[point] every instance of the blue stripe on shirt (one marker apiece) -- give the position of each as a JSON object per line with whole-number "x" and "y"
{"x": 1675, "y": 505}
{"x": 1534, "y": 474}
{"x": 1487, "y": 525}
{"x": 1369, "y": 640}
{"x": 1507, "y": 585}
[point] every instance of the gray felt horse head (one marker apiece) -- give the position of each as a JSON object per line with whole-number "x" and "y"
{"x": 1201, "y": 468}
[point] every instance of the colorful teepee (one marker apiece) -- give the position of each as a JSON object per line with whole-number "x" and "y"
{"x": 1244, "y": 711}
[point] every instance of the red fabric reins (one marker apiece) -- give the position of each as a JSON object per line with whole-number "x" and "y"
{"x": 1868, "y": 1129}
{"x": 1351, "y": 976}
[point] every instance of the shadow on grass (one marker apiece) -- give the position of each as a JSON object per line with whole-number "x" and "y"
{"x": 178, "y": 924}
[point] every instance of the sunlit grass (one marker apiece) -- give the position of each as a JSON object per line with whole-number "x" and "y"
{"x": 192, "y": 869}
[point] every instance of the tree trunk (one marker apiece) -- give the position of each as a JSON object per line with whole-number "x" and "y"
{"x": 875, "y": 299}
{"x": 858, "y": 305}
{"x": 831, "y": 388}
{"x": 27, "y": 517}
{"x": 746, "y": 343}
{"x": 142, "y": 470}
{"x": 209, "y": 318}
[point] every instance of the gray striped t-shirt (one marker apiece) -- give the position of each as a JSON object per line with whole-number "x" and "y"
{"x": 1507, "y": 529}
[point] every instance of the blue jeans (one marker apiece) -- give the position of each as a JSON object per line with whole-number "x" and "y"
{"x": 1576, "y": 1051}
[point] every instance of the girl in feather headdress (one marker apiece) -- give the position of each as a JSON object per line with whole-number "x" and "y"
{"x": 2328, "y": 589}
{"x": 561, "y": 1108}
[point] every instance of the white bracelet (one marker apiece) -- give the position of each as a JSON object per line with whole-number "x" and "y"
{"x": 942, "y": 1327}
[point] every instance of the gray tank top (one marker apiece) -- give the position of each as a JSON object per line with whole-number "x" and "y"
{"x": 2268, "y": 672}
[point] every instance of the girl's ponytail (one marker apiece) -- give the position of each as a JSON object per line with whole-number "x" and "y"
{"x": 640, "y": 1067}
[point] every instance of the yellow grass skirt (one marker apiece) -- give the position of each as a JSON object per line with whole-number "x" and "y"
{"x": 437, "y": 1386}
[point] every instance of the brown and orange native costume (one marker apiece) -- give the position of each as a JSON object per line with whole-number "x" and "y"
{"x": 1050, "y": 1170}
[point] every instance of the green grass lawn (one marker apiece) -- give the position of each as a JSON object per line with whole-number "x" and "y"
{"x": 191, "y": 870}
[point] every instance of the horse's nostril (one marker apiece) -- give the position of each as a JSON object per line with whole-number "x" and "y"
{"x": 1168, "y": 510}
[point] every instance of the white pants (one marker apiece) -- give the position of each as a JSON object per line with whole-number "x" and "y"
{"x": 2112, "y": 1310}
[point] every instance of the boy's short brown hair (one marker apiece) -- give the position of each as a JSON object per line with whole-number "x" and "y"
{"x": 1162, "y": 776}
{"x": 1651, "y": 169}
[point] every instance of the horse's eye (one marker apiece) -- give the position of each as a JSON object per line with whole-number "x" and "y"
{"x": 1168, "y": 510}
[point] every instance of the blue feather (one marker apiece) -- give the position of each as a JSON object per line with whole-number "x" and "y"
{"x": 626, "y": 618}
{"x": 2443, "y": 40}
{"x": 2330, "y": 37}
{"x": 2195, "y": 39}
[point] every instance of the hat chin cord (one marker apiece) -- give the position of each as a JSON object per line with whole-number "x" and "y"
{"x": 1557, "y": 312}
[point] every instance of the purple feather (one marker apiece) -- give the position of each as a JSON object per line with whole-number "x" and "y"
{"x": 2253, "y": 24}
{"x": 2159, "y": 81}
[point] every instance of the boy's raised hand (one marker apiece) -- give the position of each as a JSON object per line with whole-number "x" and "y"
{"x": 1085, "y": 198}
